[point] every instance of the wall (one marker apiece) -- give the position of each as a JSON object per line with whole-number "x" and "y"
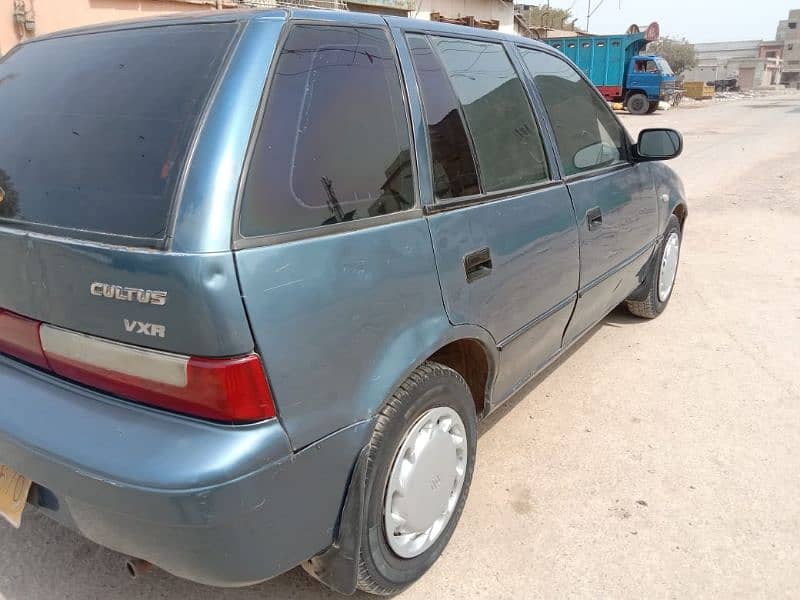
{"x": 480, "y": 9}
{"x": 54, "y": 15}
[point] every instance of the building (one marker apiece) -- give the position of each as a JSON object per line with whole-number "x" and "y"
{"x": 789, "y": 34}
{"x": 753, "y": 63}
{"x": 23, "y": 19}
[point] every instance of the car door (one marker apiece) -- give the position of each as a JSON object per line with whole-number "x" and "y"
{"x": 501, "y": 221}
{"x": 614, "y": 198}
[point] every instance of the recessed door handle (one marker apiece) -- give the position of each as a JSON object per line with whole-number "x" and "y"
{"x": 478, "y": 264}
{"x": 594, "y": 218}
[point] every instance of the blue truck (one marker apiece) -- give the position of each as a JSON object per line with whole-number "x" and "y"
{"x": 618, "y": 68}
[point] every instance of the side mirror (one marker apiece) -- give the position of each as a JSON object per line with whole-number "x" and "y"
{"x": 658, "y": 144}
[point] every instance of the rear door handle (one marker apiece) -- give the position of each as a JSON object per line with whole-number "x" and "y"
{"x": 478, "y": 264}
{"x": 594, "y": 218}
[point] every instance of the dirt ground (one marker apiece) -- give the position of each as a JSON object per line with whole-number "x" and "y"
{"x": 658, "y": 459}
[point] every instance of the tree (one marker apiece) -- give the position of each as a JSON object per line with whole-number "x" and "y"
{"x": 679, "y": 53}
{"x": 544, "y": 16}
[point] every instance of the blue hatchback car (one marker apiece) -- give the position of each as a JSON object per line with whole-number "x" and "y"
{"x": 264, "y": 272}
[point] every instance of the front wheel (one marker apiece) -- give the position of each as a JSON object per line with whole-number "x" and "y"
{"x": 419, "y": 469}
{"x": 661, "y": 278}
{"x": 638, "y": 104}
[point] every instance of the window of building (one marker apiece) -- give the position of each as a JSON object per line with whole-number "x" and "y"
{"x": 334, "y": 144}
{"x": 587, "y": 134}
{"x": 793, "y": 25}
{"x": 499, "y": 117}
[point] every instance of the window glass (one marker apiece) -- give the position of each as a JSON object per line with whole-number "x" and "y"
{"x": 664, "y": 67}
{"x": 334, "y": 143}
{"x": 454, "y": 172}
{"x": 94, "y": 129}
{"x": 587, "y": 134}
{"x": 498, "y": 113}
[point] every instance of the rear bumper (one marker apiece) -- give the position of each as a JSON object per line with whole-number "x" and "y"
{"x": 225, "y": 506}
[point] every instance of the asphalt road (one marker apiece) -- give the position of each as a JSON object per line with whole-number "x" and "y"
{"x": 658, "y": 459}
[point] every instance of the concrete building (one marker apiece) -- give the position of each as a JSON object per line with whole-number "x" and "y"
{"x": 789, "y": 33}
{"x": 754, "y": 63}
{"x": 23, "y": 19}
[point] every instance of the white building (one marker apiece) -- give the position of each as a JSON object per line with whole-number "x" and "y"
{"x": 755, "y": 64}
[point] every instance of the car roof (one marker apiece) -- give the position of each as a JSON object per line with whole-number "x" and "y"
{"x": 336, "y": 16}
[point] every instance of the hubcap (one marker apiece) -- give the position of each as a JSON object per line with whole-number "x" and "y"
{"x": 425, "y": 482}
{"x": 669, "y": 266}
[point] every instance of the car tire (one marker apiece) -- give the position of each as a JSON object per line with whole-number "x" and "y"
{"x": 638, "y": 104}
{"x": 664, "y": 265}
{"x": 382, "y": 567}
{"x": 653, "y": 107}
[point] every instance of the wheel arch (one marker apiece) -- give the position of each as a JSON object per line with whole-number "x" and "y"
{"x": 681, "y": 211}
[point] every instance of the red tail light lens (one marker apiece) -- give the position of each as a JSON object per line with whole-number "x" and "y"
{"x": 233, "y": 390}
{"x": 19, "y": 337}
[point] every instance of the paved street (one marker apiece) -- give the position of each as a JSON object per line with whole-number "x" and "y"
{"x": 658, "y": 459}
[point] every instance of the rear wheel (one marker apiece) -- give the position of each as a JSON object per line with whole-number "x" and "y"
{"x": 661, "y": 278}
{"x": 419, "y": 470}
{"x": 638, "y": 104}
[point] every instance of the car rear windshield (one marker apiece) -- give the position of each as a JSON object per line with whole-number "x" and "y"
{"x": 94, "y": 128}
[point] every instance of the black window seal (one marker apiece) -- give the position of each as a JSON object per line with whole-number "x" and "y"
{"x": 274, "y": 239}
{"x": 239, "y": 241}
{"x": 476, "y": 199}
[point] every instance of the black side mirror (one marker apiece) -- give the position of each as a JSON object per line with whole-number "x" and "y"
{"x": 658, "y": 144}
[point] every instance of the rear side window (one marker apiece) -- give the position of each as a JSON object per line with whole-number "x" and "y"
{"x": 588, "y": 135}
{"x": 454, "y": 171}
{"x": 94, "y": 129}
{"x": 334, "y": 143}
{"x": 498, "y": 113}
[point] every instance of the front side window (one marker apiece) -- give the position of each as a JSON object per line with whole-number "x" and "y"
{"x": 498, "y": 114}
{"x": 587, "y": 134}
{"x": 334, "y": 142}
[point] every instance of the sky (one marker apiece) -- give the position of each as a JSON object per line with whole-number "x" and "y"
{"x": 695, "y": 20}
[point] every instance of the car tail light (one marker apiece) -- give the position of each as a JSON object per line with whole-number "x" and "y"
{"x": 19, "y": 337}
{"x": 233, "y": 390}
{"x": 222, "y": 389}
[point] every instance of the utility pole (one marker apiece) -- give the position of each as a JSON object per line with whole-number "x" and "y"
{"x": 588, "y": 14}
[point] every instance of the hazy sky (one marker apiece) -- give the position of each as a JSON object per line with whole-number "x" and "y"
{"x": 696, "y": 20}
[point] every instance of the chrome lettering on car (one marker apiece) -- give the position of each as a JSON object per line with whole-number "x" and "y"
{"x": 128, "y": 294}
{"x": 151, "y": 329}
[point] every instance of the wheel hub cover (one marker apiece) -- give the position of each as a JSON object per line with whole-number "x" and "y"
{"x": 425, "y": 481}
{"x": 669, "y": 266}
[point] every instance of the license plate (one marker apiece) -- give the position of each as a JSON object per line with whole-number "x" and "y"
{"x": 13, "y": 495}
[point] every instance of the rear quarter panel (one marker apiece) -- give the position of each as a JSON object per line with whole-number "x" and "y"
{"x": 340, "y": 320}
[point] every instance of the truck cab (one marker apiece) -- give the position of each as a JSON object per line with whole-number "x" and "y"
{"x": 650, "y": 76}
